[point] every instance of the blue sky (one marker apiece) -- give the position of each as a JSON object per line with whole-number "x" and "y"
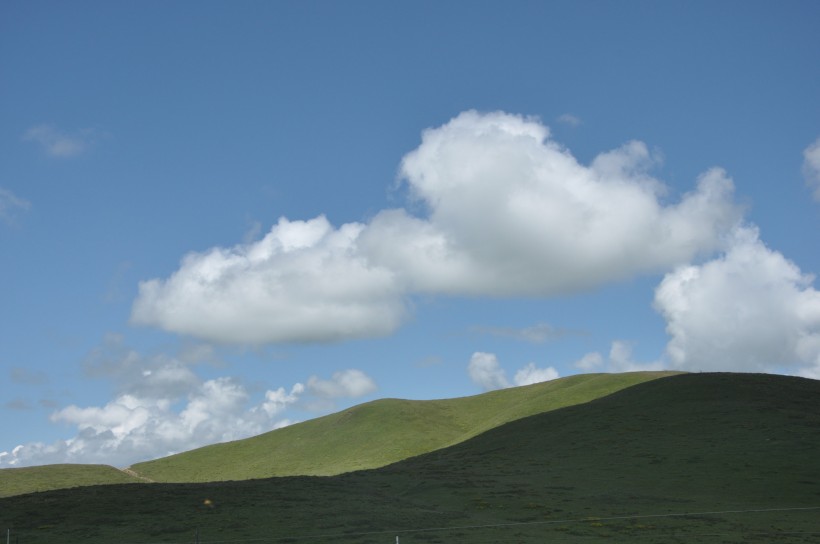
{"x": 219, "y": 218}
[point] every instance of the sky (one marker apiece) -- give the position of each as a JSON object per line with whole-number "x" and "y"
{"x": 221, "y": 218}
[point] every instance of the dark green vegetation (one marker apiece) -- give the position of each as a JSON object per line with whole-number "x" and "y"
{"x": 379, "y": 433}
{"x": 703, "y": 458}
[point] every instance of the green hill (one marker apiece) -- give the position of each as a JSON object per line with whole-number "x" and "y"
{"x": 365, "y": 436}
{"x": 693, "y": 458}
{"x": 380, "y": 432}
{"x": 15, "y": 481}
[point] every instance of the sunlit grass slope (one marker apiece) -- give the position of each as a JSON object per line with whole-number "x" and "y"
{"x": 14, "y": 481}
{"x": 694, "y": 458}
{"x": 380, "y": 432}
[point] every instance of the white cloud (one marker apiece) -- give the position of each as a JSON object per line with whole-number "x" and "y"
{"x": 509, "y": 212}
{"x": 532, "y": 374}
{"x": 485, "y": 371}
{"x": 132, "y": 428}
{"x": 569, "y": 119}
{"x": 751, "y": 309}
{"x": 303, "y": 282}
{"x": 59, "y": 144}
{"x": 350, "y": 383}
{"x": 10, "y": 205}
{"x": 162, "y": 408}
{"x": 590, "y": 361}
{"x": 620, "y": 359}
{"x": 811, "y": 167}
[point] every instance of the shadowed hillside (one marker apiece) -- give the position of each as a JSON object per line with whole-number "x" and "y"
{"x": 379, "y": 433}
{"x": 705, "y": 458}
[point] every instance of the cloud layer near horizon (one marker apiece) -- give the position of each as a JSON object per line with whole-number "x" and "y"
{"x": 162, "y": 407}
{"x": 507, "y": 212}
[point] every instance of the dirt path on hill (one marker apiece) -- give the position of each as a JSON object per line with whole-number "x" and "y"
{"x": 135, "y": 475}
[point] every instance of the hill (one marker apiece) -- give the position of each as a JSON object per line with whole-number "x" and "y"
{"x": 380, "y": 432}
{"x": 16, "y": 481}
{"x": 706, "y": 458}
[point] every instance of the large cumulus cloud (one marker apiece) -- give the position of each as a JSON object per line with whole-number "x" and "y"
{"x": 304, "y": 281}
{"x": 506, "y": 211}
{"x": 511, "y": 212}
{"x": 750, "y": 309}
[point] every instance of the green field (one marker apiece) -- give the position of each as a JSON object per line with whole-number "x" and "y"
{"x": 14, "y": 481}
{"x": 703, "y": 458}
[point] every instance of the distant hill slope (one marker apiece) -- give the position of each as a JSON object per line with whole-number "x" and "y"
{"x": 15, "y": 481}
{"x": 380, "y": 432}
{"x": 705, "y": 458}
{"x": 698, "y": 438}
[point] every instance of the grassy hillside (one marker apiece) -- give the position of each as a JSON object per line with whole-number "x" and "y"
{"x": 696, "y": 458}
{"x": 14, "y": 481}
{"x": 380, "y": 432}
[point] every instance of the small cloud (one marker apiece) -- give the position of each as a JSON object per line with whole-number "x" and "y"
{"x": 620, "y": 359}
{"x": 590, "y": 361}
{"x": 485, "y": 371}
{"x": 23, "y": 376}
{"x": 537, "y": 334}
{"x": 569, "y": 119}
{"x": 532, "y": 374}
{"x": 811, "y": 167}
{"x": 350, "y": 383}
{"x": 431, "y": 360}
{"x": 18, "y": 405}
{"x": 10, "y": 205}
{"x": 59, "y": 144}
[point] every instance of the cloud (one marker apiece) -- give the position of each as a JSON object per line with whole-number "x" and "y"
{"x": 531, "y": 374}
{"x": 508, "y": 212}
{"x": 161, "y": 408}
{"x": 590, "y": 361}
{"x": 350, "y": 383}
{"x": 24, "y": 376}
{"x": 620, "y": 359}
{"x": 811, "y": 167}
{"x": 536, "y": 334}
{"x": 18, "y": 405}
{"x": 303, "y": 282}
{"x": 569, "y": 119}
{"x": 59, "y": 144}
{"x": 11, "y": 205}
{"x": 485, "y": 371}
{"x": 750, "y": 309}
{"x": 513, "y": 213}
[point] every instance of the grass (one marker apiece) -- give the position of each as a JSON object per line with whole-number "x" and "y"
{"x": 15, "y": 481}
{"x": 379, "y": 433}
{"x": 706, "y": 458}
